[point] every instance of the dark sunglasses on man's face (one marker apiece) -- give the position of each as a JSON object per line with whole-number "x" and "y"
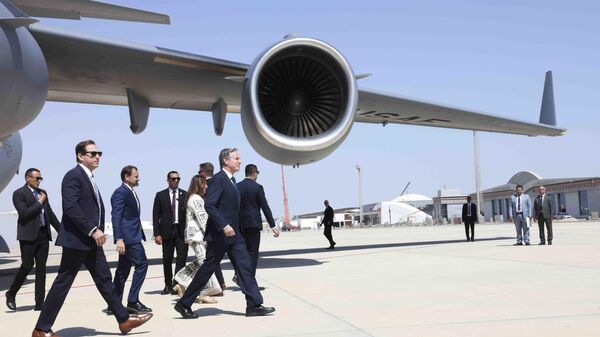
{"x": 38, "y": 178}
{"x": 94, "y": 153}
{"x": 175, "y": 179}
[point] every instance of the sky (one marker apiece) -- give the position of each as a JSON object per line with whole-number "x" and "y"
{"x": 488, "y": 56}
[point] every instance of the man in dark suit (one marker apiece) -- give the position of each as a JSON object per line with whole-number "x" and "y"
{"x": 543, "y": 215}
{"x": 128, "y": 235}
{"x": 469, "y": 216}
{"x": 33, "y": 233}
{"x": 81, "y": 236}
{"x": 328, "y": 223}
{"x": 222, "y": 203}
{"x": 252, "y": 200}
{"x": 168, "y": 221}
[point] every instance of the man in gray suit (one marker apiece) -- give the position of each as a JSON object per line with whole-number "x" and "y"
{"x": 543, "y": 215}
{"x": 521, "y": 214}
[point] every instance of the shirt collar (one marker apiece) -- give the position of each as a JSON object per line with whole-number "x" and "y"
{"x": 129, "y": 187}
{"x": 171, "y": 190}
{"x": 229, "y": 175}
{"x": 87, "y": 170}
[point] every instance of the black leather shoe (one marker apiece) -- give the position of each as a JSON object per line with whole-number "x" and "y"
{"x": 330, "y": 247}
{"x": 259, "y": 310}
{"x": 234, "y": 279}
{"x": 137, "y": 308}
{"x": 549, "y": 242}
{"x": 38, "y": 307}
{"x": 186, "y": 313}
{"x": 109, "y": 311}
{"x": 518, "y": 244}
{"x": 526, "y": 243}
{"x": 261, "y": 288}
{"x": 541, "y": 243}
{"x": 10, "y": 302}
{"x": 166, "y": 291}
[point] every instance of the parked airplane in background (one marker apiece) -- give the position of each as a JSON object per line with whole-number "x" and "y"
{"x": 298, "y": 100}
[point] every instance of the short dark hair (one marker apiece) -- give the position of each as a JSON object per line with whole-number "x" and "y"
{"x": 468, "y": 197}
{"x": 30, "y": 171}
{"x": 207, "y": 168}
{"x": 251, "y": 168}
{"x": 80, "y": 148}
{"x": 127, "y": 171}
{"x": 171, "y": 172}
{"x": 521, "y": 186}
{"x": 225, "y": 154}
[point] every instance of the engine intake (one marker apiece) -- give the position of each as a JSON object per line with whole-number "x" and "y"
{"x": 299, "y": 101}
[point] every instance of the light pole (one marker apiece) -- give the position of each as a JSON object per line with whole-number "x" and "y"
{"x": 360, "y": 205}
{"x": 478, "y": 200}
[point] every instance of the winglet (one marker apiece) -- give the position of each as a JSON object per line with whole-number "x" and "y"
{"x": 547, "y": 112}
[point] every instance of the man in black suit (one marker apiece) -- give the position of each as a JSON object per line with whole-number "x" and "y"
{"x": 128, "y": 235}
{"x": 469, "y": 216}
{"x": 222, "y": 203}
{"x": 543, "y": 215}
{"x": 168, "y": 220}
{"x": 252, "y": 200}
{"x": 34, "y": 234}
{"x": 81, "y": 236}
{"x": 328, "y": 223}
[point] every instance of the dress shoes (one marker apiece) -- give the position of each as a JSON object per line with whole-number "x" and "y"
{"x": 261, "y": 288}
{"x": 186, "y": 313}
{"x": 541, "y": 243}
{"x": 40, "y": 333}
{"x": 234, "y": 279}
{"x": 259, "y": 310}
{"x": 137, "y": 308}
{"x": 550, "y": 242}
{"x": 331, "y": 247}
{"x": 133, "y": 322}
{"x": 518, "y": 244}
{"x": 38, "y": 307}
{"x": 109, "y": 311}
{"x": 10, "y": 302}
{"x": 166, "y": 291}
{"x": 527, "y": 243}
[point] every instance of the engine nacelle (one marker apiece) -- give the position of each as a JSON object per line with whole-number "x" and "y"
{"x": 299, "y": 101}
{"x": 23, "y": 77}
{"x": 11, "y": 150}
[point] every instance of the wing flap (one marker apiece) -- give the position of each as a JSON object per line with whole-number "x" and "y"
{"x": 382, "y": 108}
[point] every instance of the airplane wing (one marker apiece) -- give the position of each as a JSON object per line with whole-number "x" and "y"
{"x": 85, "y": 69}
{"x": 76, "y": 9}
{"x": 381, "y": 108}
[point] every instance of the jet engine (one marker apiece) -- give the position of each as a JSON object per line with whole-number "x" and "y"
{"x": 11, "y": 150}
{"x": 23, "y": 75}
{"x": 299, "y": 100}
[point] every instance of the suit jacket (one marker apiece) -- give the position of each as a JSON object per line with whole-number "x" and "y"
{"x": 328, "y": 216}
{"x": 252, "y": 200}
{"x": 81, "y": 211}
{"x": 162, "y": 215}
{"x": 465, "y": 211}
{"x": 525, "y": 206}
{"x": 29, "y": 209}
{"x": 544, "y": 208}
{"x": 126, "y": 216}
{"x": 222, "y": 203}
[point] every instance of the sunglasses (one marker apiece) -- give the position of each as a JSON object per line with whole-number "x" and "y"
{"x": 37, "y": 178}
{"x": 175, "y": 179}
{"x": 94, "y": 153}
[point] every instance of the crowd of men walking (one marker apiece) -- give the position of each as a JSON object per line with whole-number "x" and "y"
{"x": 215, "y": 216}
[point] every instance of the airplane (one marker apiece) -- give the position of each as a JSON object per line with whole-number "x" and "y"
{"x": 297, "y": 100}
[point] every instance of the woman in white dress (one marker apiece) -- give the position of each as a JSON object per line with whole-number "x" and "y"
{"x": 196, "y": 218}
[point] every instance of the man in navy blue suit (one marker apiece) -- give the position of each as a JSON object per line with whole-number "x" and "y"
{"x": 81, "y": 236}
{"x": 222, "y": 203}
{"x": 128, "y": 235}
{"x": 252, "y": 200}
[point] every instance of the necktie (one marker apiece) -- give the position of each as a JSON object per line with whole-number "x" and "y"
{"x": 173, "y": 208}
{"x": 97, "y": 193}
{"x": 519, "y": 204}
{"x": 237, "y": 192}
{"x": 36, "y": 194}
{"x": 136, "y": 199}
{"x": 469, "y": 209}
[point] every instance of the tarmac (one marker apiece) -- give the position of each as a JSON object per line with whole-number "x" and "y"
{"x": 384, "y": 282}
